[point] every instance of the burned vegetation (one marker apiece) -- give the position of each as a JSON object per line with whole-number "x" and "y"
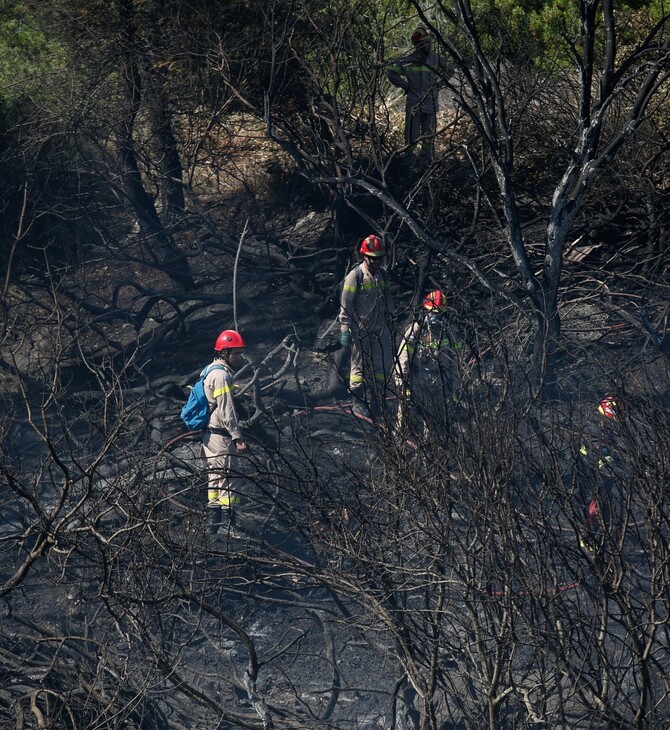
{"x": 177, "y": 169}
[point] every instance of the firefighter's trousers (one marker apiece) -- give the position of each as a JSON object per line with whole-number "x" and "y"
{"x": 223, "y": 468}
{"x": 371, "y": 363}
{"x": 420, "y": 126}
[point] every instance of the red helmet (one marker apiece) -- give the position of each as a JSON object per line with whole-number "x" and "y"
{"x": 609, "y": 408}
{"x": 435, "y": 302}
{"x": 228, "y": 340}
{"x": 593, "y": 514}
{"x": 372, "y": 246}
{"x": 420, "y": 35}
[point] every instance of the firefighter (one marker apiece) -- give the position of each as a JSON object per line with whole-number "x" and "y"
{"x": 222, "y": 440}
{"x": 420, "y": 75}
{"x": 601, "y": 474}
{"x": 427, "y": 365}
{"x": 366, "y": 308}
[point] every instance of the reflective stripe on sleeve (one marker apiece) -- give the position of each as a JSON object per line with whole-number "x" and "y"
{"x": 370, "y": 285}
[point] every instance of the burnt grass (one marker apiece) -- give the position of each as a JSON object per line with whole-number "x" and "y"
{"x": 362, "y": 558}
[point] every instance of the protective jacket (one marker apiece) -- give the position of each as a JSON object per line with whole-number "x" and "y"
{"x": 427, "y": 356}
{"x": 366, "y": 307}
{"x": 421, "y": 77}
{"x": 218, "y": 443}
{"x": 426, "y": 349}
{"x": 366, "y": 304}
{"x": 219, "y": 392}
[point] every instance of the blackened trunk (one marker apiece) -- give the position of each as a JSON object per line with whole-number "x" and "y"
{"x": 168, "y": 160}
{"x": 161, "y": 245}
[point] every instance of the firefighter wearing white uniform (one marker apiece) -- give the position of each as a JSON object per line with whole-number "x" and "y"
{"x": 366, "y": 307}
{"x": 222, "y": 439}
{"x": 420, "y": 75}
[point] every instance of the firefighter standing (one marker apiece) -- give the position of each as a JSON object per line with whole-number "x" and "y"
{"x": 366, "y": 308}
{"x": 427, "y": 365}
{"x": 420, "y": 75}
{"x": 222, "y": 439}
{"x": 602, "y": 476}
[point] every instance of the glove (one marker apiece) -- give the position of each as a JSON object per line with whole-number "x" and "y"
{"x": 345, "y": 338}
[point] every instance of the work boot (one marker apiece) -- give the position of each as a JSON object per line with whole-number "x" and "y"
{"x": 213, "y": 519}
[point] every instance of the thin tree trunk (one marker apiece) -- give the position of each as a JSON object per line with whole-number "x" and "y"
{"x": 163, "y": 249}
{"x": 169, "y": 162}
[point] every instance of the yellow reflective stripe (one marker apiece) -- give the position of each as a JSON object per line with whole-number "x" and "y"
{"x": 443, "y": 344}
{"x": 605, "y": 461}
{"x": 369, "y": 285}
{"x": 355, "y": 379}
{"x": 380, "y": 376}
{"x": 349, "y": 288}
{"x": 397, "y": 69}
{"x": 228, "y": 501}
{"x": 221, "y": 391}
{"x": 583, "y": 450}
{"x": 419, "y": 69}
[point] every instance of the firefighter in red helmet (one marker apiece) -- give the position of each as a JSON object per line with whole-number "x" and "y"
{"x": 366, "y": 308}
{"x": 603, "y": 474}
{"x": 427, "y": 365}
{"x": 420, "y": 75}
{"x": 222, "y": 440}
{"x": 609, "y": 408}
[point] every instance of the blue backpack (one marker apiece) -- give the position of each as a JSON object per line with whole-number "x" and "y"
{"x": 195, "y": 414}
